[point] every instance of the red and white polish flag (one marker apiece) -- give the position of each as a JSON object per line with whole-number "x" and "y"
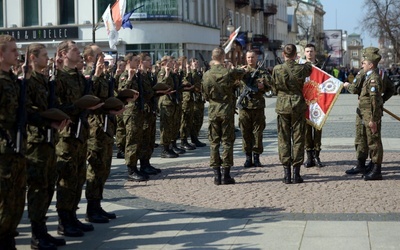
{"x": 230, "y": 41}
{"x": 320, "y": 92}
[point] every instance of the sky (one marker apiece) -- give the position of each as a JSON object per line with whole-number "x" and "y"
{"x": 346, "y": 15}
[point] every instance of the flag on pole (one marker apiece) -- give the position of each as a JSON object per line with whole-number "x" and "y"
{"x": 231, "y": 40}
{"x": 320, "y": 92}
{"x": 118, "y": 10}
{"x": 110, "y": 27}
{"x": 126, "y": 23}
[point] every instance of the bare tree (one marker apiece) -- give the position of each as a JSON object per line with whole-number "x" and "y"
{"x": 382, "y": 21}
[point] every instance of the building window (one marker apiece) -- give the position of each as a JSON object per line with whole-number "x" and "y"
{"x": 67, "y": 11}
{"x": 354, "y": 53}
{"x": 31, "y": 12}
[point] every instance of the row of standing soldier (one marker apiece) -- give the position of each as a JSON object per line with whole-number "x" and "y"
{"x": 87, "y": 138}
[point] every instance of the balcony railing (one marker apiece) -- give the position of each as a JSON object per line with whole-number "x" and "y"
{"x": 242, "y": 3}
{"x": 270, "y": 9}
{"x": 257, "y": 5}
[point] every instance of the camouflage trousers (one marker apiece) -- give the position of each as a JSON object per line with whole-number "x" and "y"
{"x": 134, "y": 137}
{"x": 170, "y": 117}
{"x": 313, "y": 138}
{"x": 291, "y": 138}
{"x": 221, "y": 131}
{"x": 198, "y": 116}
{"x": 252, "y": 125}
{"x": 366, "y": 142}
{"x": 71, "y": 168}
{"x": 99, "y": 159}
{"x": 12, "y": 192}
{"x": 41, "y": 178}
{"x": 120, "y": 134}
{"x": 186, "y": 119}
{"x": 149, "y": 135}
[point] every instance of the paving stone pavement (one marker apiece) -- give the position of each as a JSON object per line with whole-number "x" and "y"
{"x": 181, "y": 208}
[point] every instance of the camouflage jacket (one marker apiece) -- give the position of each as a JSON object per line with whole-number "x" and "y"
{"x": 39, "y": 93}
{"x": 218, "y": 87}
{"x": 370, "y": 100}
{"x": 166, "y": 100}
{"x": 72, "y": 85}
{"x": 256, "y": 100}
{"x": 287, "y": 81}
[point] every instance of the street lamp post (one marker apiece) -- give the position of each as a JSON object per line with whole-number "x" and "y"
{"x": 93, "y": 24}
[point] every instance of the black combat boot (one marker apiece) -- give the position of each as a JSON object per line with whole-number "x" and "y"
{"x": 217, "y": 175}
{"x": 359, "y": 168}
{"x": 249, "y": 161}
{"x": 56, "y": 241}
{"x": 85, "y": 227}
{"x": 256, "y": 160}
{"x": 66, "y": 226}
{"x": 168, "y": 153}
{"x": 147, "y": 163}
{"x": 287, "y": 175}
{"x": 185, "y": 145}
{"x": 135, "y": 175}
{"x": 375, "y": 174}
{"x": 177, "y": 150}
{"x": 93, "y": 212}
{"x": 120, "y": 154}
{"x": 369, "y": 167}
{"x": 310, "y": 159}
{"x": 196, "y": 142}
{"x": 39, "y": 238}
{"x": 296, "y": 175}
{"x": 317, "y": 160}
{"x": 226, "y": 177}
{"x": 146, "y": 169}
{"x": 48, "y": 237}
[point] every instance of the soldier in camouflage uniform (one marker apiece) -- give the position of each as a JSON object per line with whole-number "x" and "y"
{"x": 218, "y": 86}
{"x": 313, "y": 136}
{"x": 198, "y": 105}
{"x": 71, "y": 149}
{"x": 40, "y": 154}
{"x": 369, "y": 86}
{"x": 133, "y": 117}
{"x": 120, "y": 134}
{"x": 101, "y": 138}
{"x": 288, "y": 80}
{"x": 169, "y": 109}
{"x": 188, "y": 106}
{"x": 12, "y": 164}
{"x": 251, "y": 116}
{"x": 177, "y": 75}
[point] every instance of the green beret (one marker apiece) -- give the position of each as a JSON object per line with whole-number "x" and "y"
{"x": 87, "y": 101}
{"x": 54, "y": 114}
